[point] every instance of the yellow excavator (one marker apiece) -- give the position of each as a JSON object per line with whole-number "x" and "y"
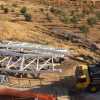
{"x": 88, "y": 77}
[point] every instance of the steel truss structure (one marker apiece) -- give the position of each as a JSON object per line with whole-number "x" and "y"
{"x": 20, "y": 58}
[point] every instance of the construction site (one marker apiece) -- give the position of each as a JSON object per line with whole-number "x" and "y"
{"x": 49, "y": 49}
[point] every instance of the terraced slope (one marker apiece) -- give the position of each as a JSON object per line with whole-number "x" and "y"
{"x": 51, "y": 23}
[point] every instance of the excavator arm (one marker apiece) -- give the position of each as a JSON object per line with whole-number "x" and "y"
{"x": 25, "y": 94}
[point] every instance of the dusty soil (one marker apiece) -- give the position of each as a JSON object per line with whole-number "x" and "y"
{"x": 14, "y": 27}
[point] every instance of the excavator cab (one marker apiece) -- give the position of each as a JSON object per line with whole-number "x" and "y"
{"x": 82, "y": 77}
{"x": 88, "y": 76}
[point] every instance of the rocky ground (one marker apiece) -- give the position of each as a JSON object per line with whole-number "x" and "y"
{"x": 52, "y": 27}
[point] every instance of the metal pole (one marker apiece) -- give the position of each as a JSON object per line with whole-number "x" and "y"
{"x": 22, "y": 64}
{"x": 37, "y": 64}
{"x": 53, "y": 63}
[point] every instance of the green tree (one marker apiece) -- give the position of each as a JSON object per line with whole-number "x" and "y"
{"x": 84, "y": 29}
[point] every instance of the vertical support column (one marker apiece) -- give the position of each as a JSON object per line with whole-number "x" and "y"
{"x": 37, "y": 64}
{"x": 36, "y": 73}
{"x": 22, "y": 63}
{"x": 53, "y": 64}
{"x": 7, "y": 66}
{"x": 29, "y": 83}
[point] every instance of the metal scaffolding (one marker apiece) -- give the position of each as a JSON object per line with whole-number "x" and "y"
{"x": 29, "y": 58}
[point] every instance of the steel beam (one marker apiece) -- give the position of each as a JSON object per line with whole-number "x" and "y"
{"x": 30, "y": 58}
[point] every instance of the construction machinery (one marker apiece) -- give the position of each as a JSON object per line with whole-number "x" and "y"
{"x": 88, "y": 77}
{"x": 15, "y": 94}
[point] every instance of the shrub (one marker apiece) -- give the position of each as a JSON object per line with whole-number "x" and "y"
{"x": 6, "y": 10}
{"x": 98, "y": 15}
{"x": 41, "y": 9}
{"x": 74, "y": 19}
{"x": 14, "y": 5}
{"x": 2, "y": 7}
{"x": 52, "y": 9}
{"x": 57, "y": 11}
{"x": 86, "y": 11}
{"x": 72, "y": 13}
{"x": 48, "y": 17}
{"x": 12, "y": 10}
{"x": 28, "y": 17}
{"x": 91, "y": 21}
{"x": 23, "y": 10}
{"x": 84, "y": 29}
{"x": 65, "y": 19}
{"x": 91, "y": 8}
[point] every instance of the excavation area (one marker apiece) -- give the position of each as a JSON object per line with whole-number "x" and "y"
{"x": 62, "y": 85}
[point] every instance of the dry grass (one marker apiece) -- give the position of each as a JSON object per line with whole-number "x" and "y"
{"x": 37, "y": 30}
